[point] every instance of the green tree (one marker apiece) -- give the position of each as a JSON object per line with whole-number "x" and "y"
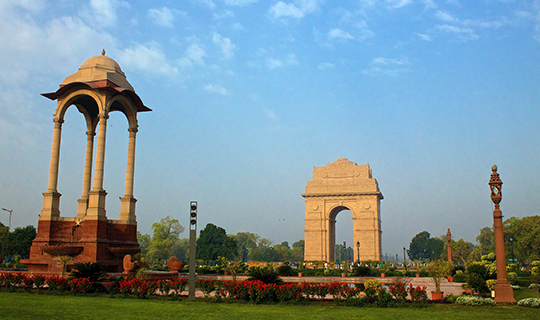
{"x": 525, "y": 233}
{"x": 18, "y": 242}
{"x": 423, "y": 247}
{"x": 461, "y": 250}
{"x": 297, "y": 253}
{"x": 246, "y": 243}
{"x": 214, "y": 242}
{"x": 165, "y": 238}
{"x": 144, "y": 241}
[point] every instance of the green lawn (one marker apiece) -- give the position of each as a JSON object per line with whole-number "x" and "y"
{"x": 39, "y": 306}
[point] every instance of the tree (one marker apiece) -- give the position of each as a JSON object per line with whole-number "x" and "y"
{"x": 297, "y": 253}
{"x": 214, "y": 242}
{"x": 144, "y": 242}
{"x": 423, "y": 247}
{"x": 18, "y": 242}
{"x": 246, "y": 243}
{"x": 461, "y": 249}
{"x": 165, "y": 238}
{"x": 525, "y": 233}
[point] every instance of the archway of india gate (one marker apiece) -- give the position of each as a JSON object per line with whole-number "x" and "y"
{"x": 97, "y": 89}
{"x": 342, "y": 185}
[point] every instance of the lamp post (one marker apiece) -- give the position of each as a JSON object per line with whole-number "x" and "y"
{"x": 404, "y": 256}
{"x": 358, "y": 250}
{"x": 10, "y": 212}
{"x": 345, "y": 250}
{"x": 512, "y": 246}
{"x": 503, "y": 291}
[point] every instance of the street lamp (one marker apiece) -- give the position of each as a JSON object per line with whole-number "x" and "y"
{"x": 503, "y": 291}
{"x": 345, "y": 250}
{"x": 403, "y": 255}
{"x": 512, "y": 246}
{"x": 358, "y": 248}
{"x": 10, "y": 212}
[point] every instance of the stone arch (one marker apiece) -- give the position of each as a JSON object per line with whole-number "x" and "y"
{"x": 335, "y": 187}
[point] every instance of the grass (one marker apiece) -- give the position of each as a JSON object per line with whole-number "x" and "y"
{"x": 524, "y": 293}
{"x": 22, "y": 305}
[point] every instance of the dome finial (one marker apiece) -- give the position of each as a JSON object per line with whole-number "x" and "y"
{"x": 103, "y": 52}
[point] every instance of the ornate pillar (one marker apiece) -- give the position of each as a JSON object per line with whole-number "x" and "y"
{"x": 96, "y": 201}
{"x": 127, "y": 208}
{"x": 83, "y": 201}
{"x": 51, "y": 197}
{"x": 503, "y": 291}
{"x": 449, "y": 244}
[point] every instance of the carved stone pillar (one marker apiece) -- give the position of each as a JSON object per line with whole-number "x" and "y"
{"x": 127, "y": 208}
{"x": 83, "y": 201}
{"x": 51, "y": 197}
{"x": 97, "y": 196}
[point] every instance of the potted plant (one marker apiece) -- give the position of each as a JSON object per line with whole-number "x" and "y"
{"x": 437, "y": 269}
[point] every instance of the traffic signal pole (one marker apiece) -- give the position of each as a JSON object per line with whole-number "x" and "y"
{"x": 192, "y": 248}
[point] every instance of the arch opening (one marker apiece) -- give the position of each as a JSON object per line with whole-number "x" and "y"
{"x": 343, "y": 234}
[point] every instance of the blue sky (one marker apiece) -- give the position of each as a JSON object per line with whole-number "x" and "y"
{"x": 248, "y": 96}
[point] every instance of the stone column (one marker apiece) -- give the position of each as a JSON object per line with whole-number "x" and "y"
{"x": 83, "y": 201}
{"x": 96, "y": 201}
{"x": 449, "y": 244}
{"x": 127, "y": 208}
{"x": 51, "y": 197}
{"x": 503, "y": 292}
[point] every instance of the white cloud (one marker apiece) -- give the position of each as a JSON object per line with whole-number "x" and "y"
{"x": 225, "y": 44}
{"x": 398, "y": 3}
{"x": 462, "y": 33}
{"x": 298, "y": 9}
{"x": 149, "y": 58}
{"x": 429, "y": 4}
{"x": 388, "y": 67}
{"x": 216, "y": 89}
{"x": 339, "y": 34}
{"x": 162, "y": 17}
{"x": 325, "y": 66}
{"x": 194, "y": 55}
{"x": 272, "y": 63}
{"x": 424, "y": 37}
{"x": 205, "y": 3}
{"x": 103, "y": 12}
{"x": 33, "y": 6}
{"x": 444, "y": 16}
{"x": 226, "y": 14}
{"x": 239, "y": 2}
{"x": 270, "y": 114}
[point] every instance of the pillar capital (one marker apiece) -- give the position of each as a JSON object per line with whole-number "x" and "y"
{"x": 133, "y": 130}
{"x": 90, "y": 133}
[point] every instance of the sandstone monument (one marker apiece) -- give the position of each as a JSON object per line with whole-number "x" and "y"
{"x": 97, "y": 89}
{"x": 339, "y": 186}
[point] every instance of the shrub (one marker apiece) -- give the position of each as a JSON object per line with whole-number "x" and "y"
{"x": 285, "y": 270}
{"x": 491, "y": 284}
{"x": 529, "y": 302}
{"x": 475, "y": 301}
{"x": 266, "y": 275}
{"x": 372, "y": 284}
{"x": 94, "y": 271}
{"x": 361, "y": 271}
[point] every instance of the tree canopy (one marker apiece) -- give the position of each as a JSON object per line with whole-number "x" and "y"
{"x": 423, "y": 247}
{"x": 214, "y": 242}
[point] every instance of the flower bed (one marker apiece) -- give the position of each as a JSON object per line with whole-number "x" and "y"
{"x": 251, "y": 291}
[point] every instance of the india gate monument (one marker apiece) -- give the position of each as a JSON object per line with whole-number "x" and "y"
{"x": 98, "y": 88}
{"x": 342, "y": 185}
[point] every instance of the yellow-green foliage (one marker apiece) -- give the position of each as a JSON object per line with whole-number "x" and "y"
{"x": 491, "y": 284}
{"x": 372, "y": 284}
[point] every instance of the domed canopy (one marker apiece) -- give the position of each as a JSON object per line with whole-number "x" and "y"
{"x": 99, "y": 68}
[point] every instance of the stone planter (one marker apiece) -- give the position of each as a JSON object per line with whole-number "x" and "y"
{"x": 418, "y": 275}
{"x": 450, "y": 279}
{"x": 383, "y": 274}
{"x": 299, "y": 274}
{"x": 437, "y": 296}
{"x": 343, "y": 275}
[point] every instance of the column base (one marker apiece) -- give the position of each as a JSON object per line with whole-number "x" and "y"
{"x": 127, "y": 209}
{"x": 504, "y": 293}
{"x": 96, "y": 205}
{"x": 51, "y": 205}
